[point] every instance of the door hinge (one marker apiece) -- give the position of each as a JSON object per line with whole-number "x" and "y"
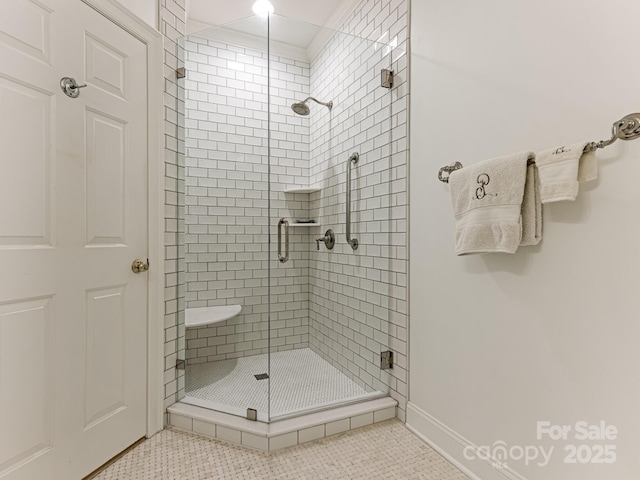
{"x": 386, "y": 78}
{"x": 386, "y": 360}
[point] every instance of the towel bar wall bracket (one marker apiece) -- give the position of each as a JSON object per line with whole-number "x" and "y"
{"x": 447, "y": 170}
{"x": 627, "y": 128}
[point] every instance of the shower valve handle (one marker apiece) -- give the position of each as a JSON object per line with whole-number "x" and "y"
{"x": 329, "y": 240}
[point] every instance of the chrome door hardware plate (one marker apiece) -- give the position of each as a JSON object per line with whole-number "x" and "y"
{"x": 252, "y": 414}
{"x": 70, "y": 87}
{"x": 181, "y": 72}
{"x": 181, "y": 364}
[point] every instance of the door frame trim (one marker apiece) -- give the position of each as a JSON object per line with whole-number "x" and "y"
{"x": 153, "y": 40}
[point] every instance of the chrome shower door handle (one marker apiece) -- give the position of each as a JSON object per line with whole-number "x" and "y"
{"x": 286, "y": 240}
{"x": 351, "y": 241}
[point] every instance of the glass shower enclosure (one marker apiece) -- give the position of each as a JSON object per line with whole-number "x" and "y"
{"x": 287, "y": 136}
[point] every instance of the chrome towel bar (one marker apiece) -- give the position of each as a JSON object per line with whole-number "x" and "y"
{"x": 627, "y": 128}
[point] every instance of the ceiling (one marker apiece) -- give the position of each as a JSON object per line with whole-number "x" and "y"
{"x": 327, "y": 13}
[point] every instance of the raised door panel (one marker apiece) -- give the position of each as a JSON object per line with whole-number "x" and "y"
{"x": 105, "y": 65}
{"x": 106, "y": 146}
{"x": 26, "y": 381}
{"x": 26, "y": 172}
{"x": 105, "y": 347}
{"x": 28, "y": 29}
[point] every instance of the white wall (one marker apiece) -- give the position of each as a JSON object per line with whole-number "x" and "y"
{"x": 147, "y": 10}
{"x": 499, "y": 342}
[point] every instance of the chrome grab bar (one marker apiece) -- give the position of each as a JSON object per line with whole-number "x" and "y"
{"x": 286, "y": 240}
{"x": 352, "y": 159}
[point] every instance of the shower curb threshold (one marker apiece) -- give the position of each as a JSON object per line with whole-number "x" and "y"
{"x": 282, "y": 433}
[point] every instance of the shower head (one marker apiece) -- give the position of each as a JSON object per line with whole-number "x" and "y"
{"x": 301, "y": 108}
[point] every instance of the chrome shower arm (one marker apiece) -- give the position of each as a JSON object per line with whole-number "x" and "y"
{"x": 329, "y": 105}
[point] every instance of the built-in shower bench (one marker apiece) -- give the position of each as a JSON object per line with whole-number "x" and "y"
{"x": 201, "y": 316}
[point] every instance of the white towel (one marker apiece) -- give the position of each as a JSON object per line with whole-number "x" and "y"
{"x": 487, "y": 200}
{"x": 531, "y": 208}
{"x": 561, "y": 168}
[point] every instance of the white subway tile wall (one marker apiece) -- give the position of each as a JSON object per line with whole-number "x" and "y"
{"x": 358, "y": 299}
{"x": 227, "y": 222}
{"x": 172, "y": 26}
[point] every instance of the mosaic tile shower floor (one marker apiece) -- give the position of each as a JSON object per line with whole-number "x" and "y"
{"x": 384, "y": 450}
{"x": 300, "y": 380}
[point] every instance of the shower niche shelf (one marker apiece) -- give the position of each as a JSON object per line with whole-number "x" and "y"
{"x": 293, "y": 224}
{"x": 302, "y": 190}
{"x": 201, "y": 316}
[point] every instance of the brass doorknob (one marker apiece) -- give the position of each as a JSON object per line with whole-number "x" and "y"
{"x": 139, "y": 266}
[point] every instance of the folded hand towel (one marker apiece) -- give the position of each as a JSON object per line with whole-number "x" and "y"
{"x": 588, "y": 167}
{"x": 488, "y": 204}
{"x": 561, "y": 168}
{"x": 531, "y": 208}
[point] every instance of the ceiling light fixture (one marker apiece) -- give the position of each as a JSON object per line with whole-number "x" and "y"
{"x": 263, "y": 8}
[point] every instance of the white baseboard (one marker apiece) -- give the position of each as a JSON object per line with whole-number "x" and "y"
{"x": 450, "y": 444}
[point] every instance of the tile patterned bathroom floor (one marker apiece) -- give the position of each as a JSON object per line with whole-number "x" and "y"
{"x": 384, "y": 450}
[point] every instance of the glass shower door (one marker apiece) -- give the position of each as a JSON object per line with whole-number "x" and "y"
{"x": 226, "y": 218}
{"x": 329, "y": 302}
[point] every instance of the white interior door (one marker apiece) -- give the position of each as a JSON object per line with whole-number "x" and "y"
{"x": 73, "y": 217}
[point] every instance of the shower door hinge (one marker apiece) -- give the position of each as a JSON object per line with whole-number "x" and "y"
{"x": 252, "y": 414}
{"x": 386, "y": 360}
{"x": 180, "y": 364}
{"x": 181, "y": 72}
{"x": 386, "y": 78}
